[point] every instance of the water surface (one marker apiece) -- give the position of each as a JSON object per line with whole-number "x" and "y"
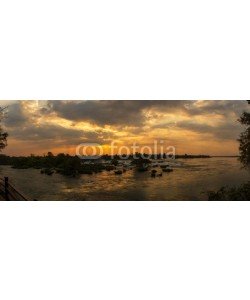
{"x": 189, "y": 181}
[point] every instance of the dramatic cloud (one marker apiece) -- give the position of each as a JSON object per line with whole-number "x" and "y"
{"x": 111, "y": 112}
{"x": 211, "y": 126}
{"x": 133, "y": 112}
{"x": 15, "y": 116}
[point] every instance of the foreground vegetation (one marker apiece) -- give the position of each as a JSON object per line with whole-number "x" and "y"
{"x": 241, "y": 193}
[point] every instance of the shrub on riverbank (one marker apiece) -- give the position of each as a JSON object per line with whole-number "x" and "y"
{"x": 241, "y": 193}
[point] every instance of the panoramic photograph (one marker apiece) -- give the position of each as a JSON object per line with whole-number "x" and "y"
{"x": 123, "y": 150}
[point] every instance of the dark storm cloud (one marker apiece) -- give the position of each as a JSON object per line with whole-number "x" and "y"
{"x": 15, "y": 115}
{"x": 128, "y": 116}
{"x": 56, "y": 134}
{"x": 130, "y": 113}
{"x": 223, "y": 132}
{"x": 226, "y": 130}
{"x": 219, "y": 107}
{"x": 110, "y": 112}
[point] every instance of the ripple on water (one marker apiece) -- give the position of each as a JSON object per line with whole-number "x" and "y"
{"x": 189, "y": 181}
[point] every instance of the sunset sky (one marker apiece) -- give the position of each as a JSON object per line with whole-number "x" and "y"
{"x": 193, "y": 127}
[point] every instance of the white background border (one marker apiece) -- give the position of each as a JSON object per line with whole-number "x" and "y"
{"x": 124, "y": 250}
{"x": 132, "y": 49}
{"x": 124, "y": 50}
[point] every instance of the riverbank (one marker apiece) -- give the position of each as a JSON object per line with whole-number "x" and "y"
{"x": 73, "y": 166}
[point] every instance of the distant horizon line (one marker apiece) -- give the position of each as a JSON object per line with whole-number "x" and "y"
{"x": 44, "y": 154}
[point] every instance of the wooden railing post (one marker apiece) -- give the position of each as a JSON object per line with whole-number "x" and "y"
{"x": 6, "y": 187}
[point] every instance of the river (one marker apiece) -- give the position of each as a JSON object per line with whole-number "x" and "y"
{"x": 191, "y": 179}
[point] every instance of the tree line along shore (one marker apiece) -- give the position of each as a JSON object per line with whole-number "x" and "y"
{"x": 71, "y": 165}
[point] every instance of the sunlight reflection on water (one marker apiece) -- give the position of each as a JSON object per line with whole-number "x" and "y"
{"x": 189, "y": 181}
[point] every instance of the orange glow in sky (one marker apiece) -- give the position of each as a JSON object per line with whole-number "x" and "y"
{"x": 193, "y": 127}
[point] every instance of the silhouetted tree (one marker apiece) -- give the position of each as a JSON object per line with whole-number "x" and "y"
{"x": 3, "y": 135}
{"x": 245, "y": 139}
{"x": 242, "y": 192}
